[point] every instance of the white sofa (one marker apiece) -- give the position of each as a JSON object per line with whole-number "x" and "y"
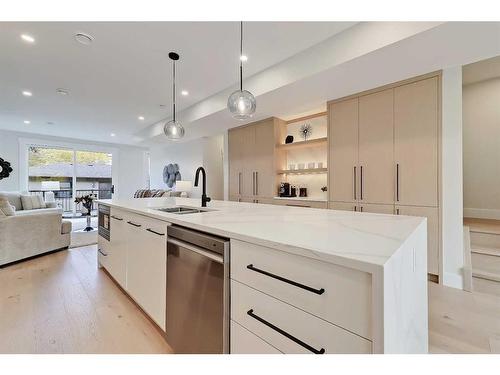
{"x": 31, "y": 232}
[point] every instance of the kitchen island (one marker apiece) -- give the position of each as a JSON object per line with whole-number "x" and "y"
{"x": 302, "y": 280}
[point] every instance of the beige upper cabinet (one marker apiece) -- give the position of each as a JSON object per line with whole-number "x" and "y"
{"x": 416, "y": 114}
{"x": 235, "y": 161}
{"x": 264, "y": 159}
{"x": 247, "y": 145}
{"x": 376, "y": 147}
{"x": 251, "y": 160}
{"x": 343, "y": 155}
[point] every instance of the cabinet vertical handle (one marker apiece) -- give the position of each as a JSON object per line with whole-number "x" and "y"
{"x": 284, "y": 333}
{"x": 361, "y": 182}
{"x": 355, "y": 208}
{"x": 397, "y": 211}
{"x": 256, "y": 183}
{"x": 360, "y": 208}
{"x": 397, "y": 182}
{"x": 354, "y": 177}
{"x": 239, "y": 183}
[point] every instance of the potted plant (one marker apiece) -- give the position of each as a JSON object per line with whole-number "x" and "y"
{"x": 87, "y": 201}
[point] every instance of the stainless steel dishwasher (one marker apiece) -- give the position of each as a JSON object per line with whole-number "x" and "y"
{"x": 197, "y": 292}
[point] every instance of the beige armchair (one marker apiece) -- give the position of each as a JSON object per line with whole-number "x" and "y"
{"x": 31, "y": 232}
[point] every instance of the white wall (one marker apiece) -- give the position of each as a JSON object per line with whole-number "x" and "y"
{"x": 452, "y": 177}
{"x": 206, "y": 152}
{"x": 129, "y": 172}
{"x": 481, "y": 121}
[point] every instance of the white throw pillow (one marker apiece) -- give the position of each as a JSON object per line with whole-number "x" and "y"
{"x": 41, "y": 201}
{"x": 32, "y": 202}
{"x": 6, "y": 208}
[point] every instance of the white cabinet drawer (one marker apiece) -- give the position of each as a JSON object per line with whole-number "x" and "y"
{"x": 245, "y": 342}
{"x": 289, "y": 329}
{"x": 337, "y": 294}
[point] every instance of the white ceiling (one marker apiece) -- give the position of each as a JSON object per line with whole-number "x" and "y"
{"x": 126, "y": 72}
{"x": 481, "y": 71}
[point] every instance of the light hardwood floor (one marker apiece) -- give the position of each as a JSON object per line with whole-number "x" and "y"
{"x": 62, "y": 303}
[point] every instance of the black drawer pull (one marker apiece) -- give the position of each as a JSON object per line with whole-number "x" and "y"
{"x": 152, "y": 231}
{"x": 286, "y": 334}
{"x": 103, "y": 254}
{"x": 116, "y": 218}
{"x": 294, "y": 283}
{"x": 134, "y": 224}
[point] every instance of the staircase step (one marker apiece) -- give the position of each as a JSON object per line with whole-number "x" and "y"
{"x": 486, "y": 251}
{"x": 485, "y": 263}
{"x": 489, "y": 226}
{"x": 482, "y": 274}
{"x": 486, "y": 286}
{"x": 484, "y": 240}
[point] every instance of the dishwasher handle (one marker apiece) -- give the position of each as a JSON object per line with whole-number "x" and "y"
{"x": 208, "y": 254}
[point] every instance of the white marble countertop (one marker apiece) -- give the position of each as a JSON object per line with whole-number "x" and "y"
{"x": 363, "y": 241}
{"x": 307, "y": 199}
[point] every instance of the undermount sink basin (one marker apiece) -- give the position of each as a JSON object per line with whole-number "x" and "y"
{"x": 180, "y": 210}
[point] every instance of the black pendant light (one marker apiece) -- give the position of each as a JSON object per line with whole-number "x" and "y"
{"x": 173, "y": 129}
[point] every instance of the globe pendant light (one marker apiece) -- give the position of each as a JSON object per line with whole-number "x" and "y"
{"x": 173, "y": 129}
{"x": 241, "y": 103}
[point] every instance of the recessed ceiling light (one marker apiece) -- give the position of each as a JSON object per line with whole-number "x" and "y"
{"x": 27, "y": 38}
{"x": 184, "y": 92}
{"x": 62, "y": 91}
{"x": 243, "y": 58}
{"x": 112, "y": 134}
{"x": 27, "y": 93}
{"x": 27, "y": 122}
{"x": 141, "y": 118}
{"x": 84, "y": 38}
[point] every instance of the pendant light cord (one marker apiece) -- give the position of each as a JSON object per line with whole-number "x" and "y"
{"x": 241, "y": 54}
{"x": 173, "y": 90}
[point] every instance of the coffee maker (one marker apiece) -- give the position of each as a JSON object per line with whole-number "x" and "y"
{"x": 284, "y": 189}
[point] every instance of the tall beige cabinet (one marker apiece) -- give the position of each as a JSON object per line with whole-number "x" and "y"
{"x": 383, "y": 154}
{"x": 252, "y": 175}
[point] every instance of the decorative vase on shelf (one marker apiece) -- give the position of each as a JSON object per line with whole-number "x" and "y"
{"x": 306, "y": 131}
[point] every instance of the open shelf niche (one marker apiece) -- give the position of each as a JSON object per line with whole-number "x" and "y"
{"x": 313, "y": 150}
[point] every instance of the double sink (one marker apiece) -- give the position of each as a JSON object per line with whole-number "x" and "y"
{"x": 182, "y": 210}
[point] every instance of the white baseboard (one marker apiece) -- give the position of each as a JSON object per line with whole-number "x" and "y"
{"x": 453, "y": 280}
{"x": 482, "y": 213}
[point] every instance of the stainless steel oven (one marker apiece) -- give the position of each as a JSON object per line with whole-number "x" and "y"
{"x": 104, "y": 222}
{"x": 197, "y": 292}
